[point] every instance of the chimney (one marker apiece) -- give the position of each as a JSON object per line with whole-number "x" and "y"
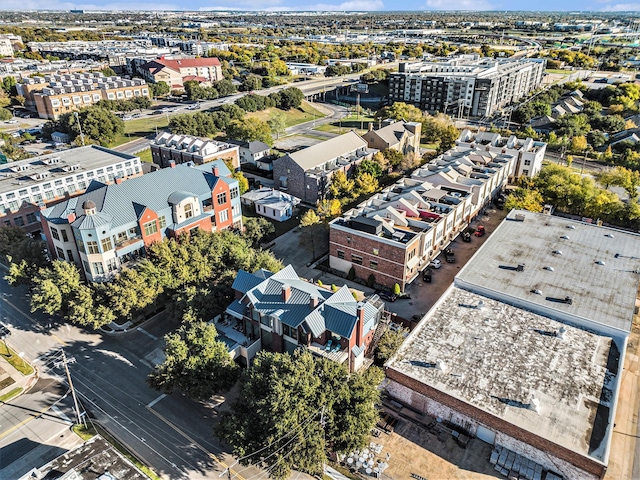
{"x": 172, "y": 164}
{"x": 119, "y": 180}
{"x": 313, "y": 302}
{"x": 71, "y": 217}
{"x": 286, "y": 292}
{"x": 359, "y": 323}
{"x": 370, "y": 126}
{"x": 216, "y": 171}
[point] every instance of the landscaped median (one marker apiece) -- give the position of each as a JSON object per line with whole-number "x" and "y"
{"x": 15, "y": 360}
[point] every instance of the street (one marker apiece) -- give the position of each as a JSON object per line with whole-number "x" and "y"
{"x": 172, "y": 434}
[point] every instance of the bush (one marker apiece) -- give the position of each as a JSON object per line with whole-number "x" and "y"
{"x": 396, "y": 289}
{"x": 371, "y": 280}
{"x": 334, "y": 288}
{"x": 320, "y": 284}
{"x": 352, "y": 274}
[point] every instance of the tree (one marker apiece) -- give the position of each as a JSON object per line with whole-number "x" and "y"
{"x": 310, "y": 223}
{"x": 277, "y": 123}
{"x": 100, "y": 125}
{"x": 289, "y": 98}
{"x": 196, "y": 363}
{"x": 389, "y": 344}
{"x": 371, "y": 167}
{"x": 330, "y": 208}
{"x": 108, "y": 72}
{"x": 250, "y": 83}
{"x": 401, "y": 111}
{"x": 341, "y": 187}
{"x": 281, "y": 403}
{"x": 365, "y": 183}
{"x": 5, "y": 101}
{"x": 250, "y": 129}
{"x": 578, "y": 144}
{"x": 393, "y": 157}
{"x": 159, "y": 89}
{"x": 5, "y": 114}
{"x": 256, "y": 228}
{"x": 25, "y": 254}
{"x": 523, "y": 198}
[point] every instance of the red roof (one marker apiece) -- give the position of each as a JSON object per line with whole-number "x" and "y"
{"x": 189, "y": 62}
{"x": 194, "y": 78}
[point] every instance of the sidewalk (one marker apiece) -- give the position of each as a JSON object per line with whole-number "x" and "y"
{"x": 10, "y": 378}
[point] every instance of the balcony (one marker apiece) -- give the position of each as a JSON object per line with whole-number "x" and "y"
{"x": 341, "y": 356}
{"x": 128, "y": 242}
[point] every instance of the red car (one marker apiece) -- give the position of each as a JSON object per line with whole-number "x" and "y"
{"x": 480, "y": 231}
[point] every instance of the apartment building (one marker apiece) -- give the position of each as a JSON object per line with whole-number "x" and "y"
{"x": 6, "y": 46}
{"x": 529, "y": 153}
{"x": 54, "y": 95}
{"x": 27, "y": 185}
{"x": 167, "y": 147}
{"x": 110, "y": 226}
{"x": 280, "y": 312}
{"x": 95, "y": 50}
{"x": 394, "y": 234}
{"x": 307, "y": 173}
{"x": 465, "y": 85}
{"x": 175, "y": 72}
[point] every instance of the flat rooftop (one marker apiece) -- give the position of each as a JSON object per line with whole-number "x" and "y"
{"x": 496, "y": 357}
{"x": 595, "y": 266}
{"x": 33, "y": 171}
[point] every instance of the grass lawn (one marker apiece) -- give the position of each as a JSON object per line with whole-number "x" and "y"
{"x": 145, "y": 156}
{"x": 10, "y": 394}
{"x": 306, "y": 113}
{"x": 352, "y": 122}
{"x": 84, "y": 433}
{"x": 140, "y": 127}
{"x": 558, "y": 72}
{"x": 18, "y": 363}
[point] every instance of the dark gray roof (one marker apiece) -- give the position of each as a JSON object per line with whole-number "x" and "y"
{"x": 122, "y": 201}
{"x": 177, "y": 197}
{"x": 245, "y": 281}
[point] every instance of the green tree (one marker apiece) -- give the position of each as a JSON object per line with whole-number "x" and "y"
{"x": 277, "y": 123}
{"x": 523, "y": 198}
{"x": 256, "y": 228}
{"x": 5, "y": 114}
{"x": 389, "y": 343}
{"x": 578, "y": 144}
{"x": 196, "y": 363}
{"x": 289, "y": 98}
{"x": 108, "y": 72}
{"x": 251, "y": 83}
{"x": 24, "y": 254}
{"x": 371, "y": 167}
{"x": 365, "y": 183}
{"x": 310, "y": 224}
{"x": 401, "y": 111}
{"x": 159, "y": 89}
{"x": 250, "y": 129}
{"x": 281, "y": 402}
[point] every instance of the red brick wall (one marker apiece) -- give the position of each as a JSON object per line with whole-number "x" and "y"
{"x": 204, "y": 224}
{"x": 148, "y": 216}
{"x": 499, "y": 424}
{"x": 221, "y": 187}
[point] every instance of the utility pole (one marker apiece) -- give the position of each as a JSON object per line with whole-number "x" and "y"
{"x": 80, "y": 127}
{"x": 322, "y": 424}
{"x": 80, "y": 418}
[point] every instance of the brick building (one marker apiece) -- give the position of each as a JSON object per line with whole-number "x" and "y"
{"x": 167, "y": 147}
{"x": 175, "y": 72}
{"x": 54, "y": 95}
{"x": 25, "y": 185}
{"x": 307, "y": 173}
{"x": 401, "y": 136}
{"x": 283, "y": 312}
{"x": 110, "y": 226}
{"x": 525, "y": 349}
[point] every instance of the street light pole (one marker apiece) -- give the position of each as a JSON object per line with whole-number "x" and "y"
{"x": 79, "y": 127}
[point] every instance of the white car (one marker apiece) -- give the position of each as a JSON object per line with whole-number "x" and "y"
{"x": 435, "y": 264}
{"x": 11, "y": 121}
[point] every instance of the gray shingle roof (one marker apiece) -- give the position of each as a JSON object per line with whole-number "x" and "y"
{"x": 151, "y": 190}
{"x": 321, "y": 153}
{"x": 391, "y": 134}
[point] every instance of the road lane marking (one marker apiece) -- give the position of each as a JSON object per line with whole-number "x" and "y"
{"x": 156, "y": 400}
{"x": 200, "y": 447}
{"x": 32, "y": 416}
{"x": 142, "y": 330}
{"x": 57, "y": 338}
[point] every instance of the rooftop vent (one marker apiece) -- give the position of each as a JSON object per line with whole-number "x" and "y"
{"x": 534, "y": 404}
{"x": 557, "y": 252}
{"x": 519, "y": 218}
{"x": 572, "y": 227}
{"x": 564, "y": 237}
{"x": 536, "y": 291}
{"x": 599, "y": 262}
{"x": 550, "y": 269}
{"x": 480, "y": 305}
{"x": 440, "y": 365}
{"x": 609, "y": 235}
{"x": 561, "y": 333}
{"x": 520, "y": 267}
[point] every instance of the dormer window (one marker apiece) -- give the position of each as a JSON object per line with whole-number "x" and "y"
{"x": 188, "y": 210}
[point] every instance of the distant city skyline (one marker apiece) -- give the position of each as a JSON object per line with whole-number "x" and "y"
{"x": 325, "y": 5}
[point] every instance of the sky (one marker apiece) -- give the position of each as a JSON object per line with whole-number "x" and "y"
{"x": 326, "y": 5}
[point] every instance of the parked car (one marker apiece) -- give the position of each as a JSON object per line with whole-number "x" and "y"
{"x": 480, "y": 231}
{"x": 11, "y": 121}
{"x": 387, "y": 296}
{"x": 449, "y": 255}
{"x": 426, "y": 275}
{"x": 466, "y": 237}
{"x": 435, "y": 263}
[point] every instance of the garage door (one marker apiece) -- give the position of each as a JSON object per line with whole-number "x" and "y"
{"x": 486, "y": 435}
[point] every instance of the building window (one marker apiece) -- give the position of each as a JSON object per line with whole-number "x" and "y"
{"x": 97, "y": 268}
{"x": 19, "y": 221}
{"x": 55, "y": 234}
{"x": 70, "y": 255}
{"x": 222, "y": 198}
{"x": 112, "y": 265}
{"x": 92, "y": 247}
{"x": 31, "y": 218}
{"x": 341, "y": 254}
{"x": 357, "y": 259}
{"x": 106, "y": 244}
{"x": 65, "y": 237}
{"x": 234, "y": 193}
{"x": 163, "y": 221}
{"x": 373, "y": 265}
{"x": 525, "y": 172}
{"x": 60, "y": 253}
{"x": 527, "y": 162}
{"x": 376, "y": 251}
{"x": 86, "y": 267}
{"x": 151, "y": 227}
{"x": 188, "y": 210}
{"x": 224, "y": 215}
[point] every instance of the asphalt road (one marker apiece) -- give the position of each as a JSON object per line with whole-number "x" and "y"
{"x": 172, "y": 434}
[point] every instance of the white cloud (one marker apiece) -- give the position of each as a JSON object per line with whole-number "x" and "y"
{"x": 622, "y": 7}
{"x": 460, "y": 5}
{"x": 276, "y": 5}
{"x": 23, "y": 5}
